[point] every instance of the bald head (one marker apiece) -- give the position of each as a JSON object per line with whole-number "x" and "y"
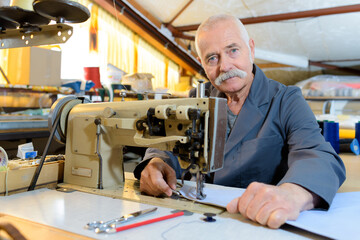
{"x": 209, "y": 23}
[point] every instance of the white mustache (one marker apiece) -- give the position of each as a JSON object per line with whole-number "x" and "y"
{"x": 230, "y": 74}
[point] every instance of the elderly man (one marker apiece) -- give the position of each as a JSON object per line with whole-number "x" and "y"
{"x": 274, "y": 147}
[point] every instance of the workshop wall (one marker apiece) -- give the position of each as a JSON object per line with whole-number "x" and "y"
{"x": 115, "y": 44}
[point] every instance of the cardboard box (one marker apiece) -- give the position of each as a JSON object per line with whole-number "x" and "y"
{"x": 20, "y": 179}
{"x": 34, "y": 66}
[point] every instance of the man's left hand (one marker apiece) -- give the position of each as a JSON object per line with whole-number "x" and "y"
{"x": 273, "y": 205}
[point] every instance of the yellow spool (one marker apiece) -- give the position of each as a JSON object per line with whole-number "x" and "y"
{"x": 347, "y": 133}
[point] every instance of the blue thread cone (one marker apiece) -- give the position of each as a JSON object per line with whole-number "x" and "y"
{"x": 354, "y": 146}
{"x": 331, "y": 134}
{"x": 357, "y": 131}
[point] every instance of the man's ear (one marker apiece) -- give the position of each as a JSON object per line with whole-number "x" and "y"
{"x": 252, "y": 48}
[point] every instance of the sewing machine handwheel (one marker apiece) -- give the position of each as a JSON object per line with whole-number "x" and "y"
{"x": 62, "y": 10}
{"x": 62, "y": 107}
{"x": 22, "y": 16}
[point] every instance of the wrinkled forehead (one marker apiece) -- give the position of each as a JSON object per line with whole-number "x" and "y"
{"x": 219, "y": 35}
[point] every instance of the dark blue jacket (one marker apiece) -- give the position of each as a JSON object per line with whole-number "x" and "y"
{"x": 275, "y": 139}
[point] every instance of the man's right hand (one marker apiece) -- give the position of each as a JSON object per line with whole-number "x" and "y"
{"x": 157, "y": 178}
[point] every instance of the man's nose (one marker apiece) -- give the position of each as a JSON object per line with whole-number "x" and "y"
{"x": 225, "y": 64}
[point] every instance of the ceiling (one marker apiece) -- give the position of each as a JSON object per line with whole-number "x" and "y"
{"x": 301, "y": 33}
{"x": 306, "y": 34}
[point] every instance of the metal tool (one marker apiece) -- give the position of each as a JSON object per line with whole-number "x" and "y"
{"x": 177, "y": 192}
{"x": 101, "y": 226}
{"x": 146, "y": 222}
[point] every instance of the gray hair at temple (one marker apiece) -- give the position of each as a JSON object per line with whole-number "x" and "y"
{"x": 208, "y": 24}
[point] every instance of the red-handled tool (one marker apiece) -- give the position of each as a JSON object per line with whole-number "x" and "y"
{"x": 134, "y": 225}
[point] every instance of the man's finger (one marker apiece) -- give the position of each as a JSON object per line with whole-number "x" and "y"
{"x": 247, "y": 197}
{"x": 264, "y": 195}
{"x": 170, "y": 177}
{"x": 161, "y": 186}
{"x": 263, "y": 215}
{"x": 146, "y": 187}
{"x": 277, "y": 218}
{"x": 155, "y": 176}
{"x": 232, "y": 206}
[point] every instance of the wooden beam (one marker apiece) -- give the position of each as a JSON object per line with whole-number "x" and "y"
{"x": 181, "y": 11}
{"x": 158, "y": 23}
{"x": 148, "y": 15}
{"x": 341, "y": 60}
{"x": 287, "y": 16}
{"x": 332, "y": 67}
{"x": 178, "y": 34}
{"x": 183, "y": 36}
{"x": 272, "y": 65}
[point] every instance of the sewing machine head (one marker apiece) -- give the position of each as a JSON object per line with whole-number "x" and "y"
{"x": 94, "y": 133}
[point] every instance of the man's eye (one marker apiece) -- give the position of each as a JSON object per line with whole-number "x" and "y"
{"x": 234, "y": 50}
{"x": 212, "y": 59}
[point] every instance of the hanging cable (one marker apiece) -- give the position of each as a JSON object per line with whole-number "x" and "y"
{"x": 116, "y": 14}
{"x": 4, "y": 75}
{"x": 42, "y": 160}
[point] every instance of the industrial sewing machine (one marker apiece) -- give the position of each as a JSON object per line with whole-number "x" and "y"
{"x": 95, "y": 133}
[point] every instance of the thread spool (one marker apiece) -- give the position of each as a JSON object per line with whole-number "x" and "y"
{"x": 209, "y": 217}
{"x": 357, "y": 131}
{"x": 93, "y": 74}
{"x": 331, "y": 134}
{"x": 349, "y": 145}
{"x": 321, "y": 126}
{"x": 24, "y": 4}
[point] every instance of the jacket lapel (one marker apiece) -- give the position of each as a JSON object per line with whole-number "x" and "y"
{"x": 249, "y": 118}
{"x": 252, "y": 113}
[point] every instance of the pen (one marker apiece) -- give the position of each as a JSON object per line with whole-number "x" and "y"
{"x": 134, "y": 225}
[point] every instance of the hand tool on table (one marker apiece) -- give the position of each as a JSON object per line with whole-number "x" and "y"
{"x": 138, "y": 224}
{"x": 101, "y": 226}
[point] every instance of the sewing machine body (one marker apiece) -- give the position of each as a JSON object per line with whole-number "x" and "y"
{"x": 127, "y": 124}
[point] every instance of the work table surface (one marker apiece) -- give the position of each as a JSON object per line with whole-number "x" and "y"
{"x": 63, "y": 215}
{"x": 70, "y": 211}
